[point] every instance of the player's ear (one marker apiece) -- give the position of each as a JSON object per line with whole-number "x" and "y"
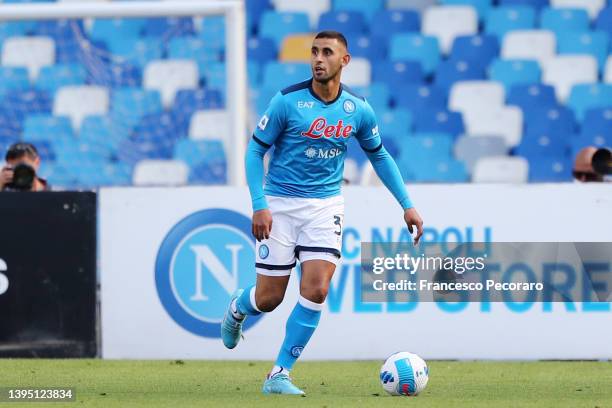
{"x": 346, "y": 59}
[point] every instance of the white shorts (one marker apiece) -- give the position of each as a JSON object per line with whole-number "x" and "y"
{"x": 302, "y": 229}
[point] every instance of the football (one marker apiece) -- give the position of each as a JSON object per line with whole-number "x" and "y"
{"x": 404, "y": 373}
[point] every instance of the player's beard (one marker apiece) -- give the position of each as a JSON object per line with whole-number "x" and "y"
{"x": 327, "y": 78}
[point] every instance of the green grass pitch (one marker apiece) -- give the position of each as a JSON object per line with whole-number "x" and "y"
{"x": 101, "y": 383}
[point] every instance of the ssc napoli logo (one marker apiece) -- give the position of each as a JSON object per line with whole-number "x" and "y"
{"x": 349, "y": 106}
{"x": 201, "y": 262}
{"x": 296, "y": 351}
{"x": 264, "y": 251}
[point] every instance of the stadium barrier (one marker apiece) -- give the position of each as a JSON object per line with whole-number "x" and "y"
{"x": 48, "y": 274}
{"x": 171, "y": 257}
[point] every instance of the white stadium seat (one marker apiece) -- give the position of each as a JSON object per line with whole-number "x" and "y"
{"x": 160, "y": 173}
{"x": 565, "y": 71}
{"x": 314, "y": 8}
{"x": 470, "y": 149}
{"x": 539, "y": 45}
{"x": 506, "y": 121}
{"x": 170, "y": 76}
{"x": 608, "y": 71}
{"x": 357, "y": 73}
{"x": 502, "y": 169}
{"x": 474, "y": 96}
{"x": 77, "y": 102}
{"x": 448, "y": 22}
{"x": 30, "y": 52}
{"x": 210, "y": 124}
{"x": 593, "y": 7}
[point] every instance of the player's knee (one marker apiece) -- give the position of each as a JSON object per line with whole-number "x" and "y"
{"x": 269, "y": 302}
{"x": 316, "y": 295}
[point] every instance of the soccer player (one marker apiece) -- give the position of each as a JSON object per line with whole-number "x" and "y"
{"x": 299, "y": 214}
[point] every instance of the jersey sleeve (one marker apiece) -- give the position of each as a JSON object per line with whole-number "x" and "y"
{"x": 367, "y": 134}
{"x": 273, "y": 121}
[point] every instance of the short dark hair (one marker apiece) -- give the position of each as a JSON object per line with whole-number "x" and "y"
{"x": 20, "y": 149}
{"x": 334, "y": 35}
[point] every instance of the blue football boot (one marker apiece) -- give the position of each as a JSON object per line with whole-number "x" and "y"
{"x": 281, "y": 384}
{"x": 231, "y": 328}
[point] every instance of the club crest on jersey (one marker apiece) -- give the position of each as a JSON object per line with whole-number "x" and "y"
{"x": 349, "y": 106}
{"x": 319, "y": 128}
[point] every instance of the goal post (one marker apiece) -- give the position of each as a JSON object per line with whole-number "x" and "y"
{"x": 235, "y": 41}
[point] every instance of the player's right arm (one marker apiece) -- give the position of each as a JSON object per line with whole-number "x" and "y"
{"x": 270, "y": 126}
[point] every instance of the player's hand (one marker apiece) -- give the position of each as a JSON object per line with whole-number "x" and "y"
{"x": 6, "y": 176}
{"x": 262, "y": 224}
{"x": 412, "y": 218}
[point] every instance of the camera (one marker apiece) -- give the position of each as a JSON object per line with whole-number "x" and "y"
{"x": 23, "y": 178}
{"x": 602, "y": 162}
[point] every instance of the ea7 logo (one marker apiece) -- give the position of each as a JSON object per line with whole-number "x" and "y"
{"x": 4, "y": 282}
{"x": 302, "y": 104}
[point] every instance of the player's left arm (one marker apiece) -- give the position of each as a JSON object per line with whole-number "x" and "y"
{"x": 387, "y": 170}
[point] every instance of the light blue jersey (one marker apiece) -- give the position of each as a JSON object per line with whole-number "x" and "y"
{"x": 310, "y": 139}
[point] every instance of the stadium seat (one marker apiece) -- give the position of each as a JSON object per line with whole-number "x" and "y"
{"x": 168, "y": 27}
{"x": 593, "y": 7}
{"x": 189, "y": 101}
{"x": 482, "y": 7}
{"x": 13, "y": 78}
{"x": 536, "y": 4}
{"x": 116, "y": 30}
{"x": 439, "y": 121}
{"x": 480, "y": 49}
{"x": 213, "y": 75}
{"x": 211, "y": 29}
{"x": 538, "y": 45}
{"x": 10, "y": 131}
{"x": 15, "y": 29}
{"x": 437, "y": 170}
{"x": 418, "y": 5}
{"x": 278, "y": 75}
{"x": 277, "y": 26}
{"x": 194, "y": 152}
{"x": 52, "y": 77}
{"x": 449, "y": 22}
{"x": 395, "y": 123}
{"x": 514, "y": 72}
{"x": 598, "y": 120}
{"x": 254, "y": 11}
{"x": 347, "y": 22}
{"x": 470, "y": 149}
{"x": 357, "y": 73}
{"x": 504, "y": 121}
{"x": 138, "y": 51}
{"x": 102, "y": 132}
{"x": 18, "y": 104}
{"x": 210, "y": 124}
{"x": 30, "y": 52}
{"x": 129, "y": 105}
{"x": 261, "y": 50}
{"x": 550, "y": 169}
{"x": 296, "y": 48}
{"x": 366, "y": 7}
{"x": 591, "y": 43}
{"x": 427, "y": 146}
{"x": 501, "y": 169}
{"x": 377, "y": 94}
{"x": 528, "y": 97}
{"x": 417, "y": 97}
{"x": 169, "y": 76}
{"x": 193, "y": 48}
{"x": 160, "y": 173}
{"x": 559, "y": 20}
{"x": 77, "y": 102}
{"x": 423, "y": 49}
{"x": 589, "y": 96}
{"x": 507, "y": 18}
{"x": 212, "y": 170}
{"x": 557, "y": 119}
{"x": 543, "y": 144}
{"x": 397, "y": 73}
{"x": 450, "y": 72}
{"x": 153, "y": 137}
{"x": 564, "y": 71}
{"x": 604, "y": 21}
{"x": 371, "y": 47}
{"x": 114, "y": 75}
{"x": 475, "y": 96}
{"x": 314, "y": 8}
{"x": 593, "y": 136}
{"x": 389, "y": 22}
{"x": 46, "y": 127}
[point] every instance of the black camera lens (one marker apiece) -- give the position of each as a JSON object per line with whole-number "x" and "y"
{"x": 602, "y": 162}
{"x": 23, "y": 177}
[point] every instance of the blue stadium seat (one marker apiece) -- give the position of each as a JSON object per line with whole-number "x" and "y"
{"x": 46, "y": 127}
{"x": 102, "y": 132}
{"x": 168, "y": 27}
{"x": 114, "y": 75}
{"x": 153, "y": 137}
{"x": 603, "y": 22}
{"x": 423, "y": 49}
{"x": 363, "y": 46}
{"x": 57, "y": 175}
{"x": 213, "y": 170}
{"x": 436, "y": 170}
{"x": 213, "y": 32}
{"x": 482, "y": 6}
{"x": 261, "y": 50}
{"x": 592, "y": 137}
{"x": 20, "y": 104}
{"x": 60, "y": 30}
{"x": 561, "y": 20}
{"x": 368, "y": 8}
{"x": 128, "y": 105}
{"x": 278, "y": 75}
{"x": 53, "y": 77}
{"x": 589, "y": 96}
{"x": 377, "y": 95}
{"x": 395, "y": 123}
{"x": 506, "y": 18}
{"x": 536, "y": 4}
{"x": 481, "y": 49}
{"x": 429, "y": 146}
{"x": 15, "y": 29}
{"x": 73, "y": 152}
{"x": 277, "y": 26}
{"x": 515, "y": 72}
{"x": 343, "y": 21}
{"x": 254, "y": 74}
{"x": 550, "y": 169}
{"x": 534, "y": 96}
{"x": 213, "y": 76}
{"x": 598, "y": 120}
{"x": 45, "y": 150}
{"x": 194, "y": 152}
{"x": 10, "y": 130}
{"x": 439, "y": 121}
{"x": 254, "y": 11}
{"x": 193, "y": 48}
{"x": 449, "y": 72}
{"x": 13, "y": 78}
{"x": 544, "y": 144}
{"x": 138, "y": 51}
{"x": 417, "y": 97}
{"x": 389, "y": 22}
{"x": 397, "y": 73}
{"x": 116, "y": 30}
{"x": 75, "y": 52}
{"x": 188, "y": 101}
{"x": 556, "y": 119}
{"x": 592, "y": 43}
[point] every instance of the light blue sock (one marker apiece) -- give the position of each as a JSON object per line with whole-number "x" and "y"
{"x": 245, "y": 304}
{"x": 302, "y": 322}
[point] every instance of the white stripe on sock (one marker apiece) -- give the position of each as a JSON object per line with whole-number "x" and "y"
{"x": 252, "y": 299}
{"x": 309, "y": 304}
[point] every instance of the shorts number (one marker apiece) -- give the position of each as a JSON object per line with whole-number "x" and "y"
{"x": 338, "y": 222}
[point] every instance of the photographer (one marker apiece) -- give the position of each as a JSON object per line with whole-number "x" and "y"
{"x": 19, "y": 173}
{"x": 593, "y": 165}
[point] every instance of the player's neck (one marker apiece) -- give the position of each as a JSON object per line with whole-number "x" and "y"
{"x": 327, "y": 91}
